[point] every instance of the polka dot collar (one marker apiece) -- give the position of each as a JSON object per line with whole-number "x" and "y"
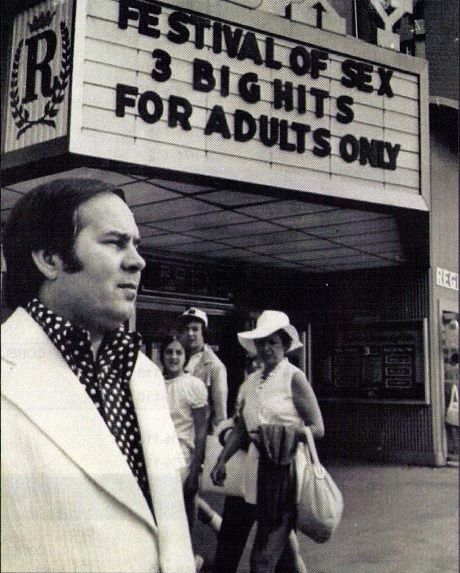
{"x": 105, "y": 378}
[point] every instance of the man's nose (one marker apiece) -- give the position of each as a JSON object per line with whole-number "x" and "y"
{"x": 133, "y": 259}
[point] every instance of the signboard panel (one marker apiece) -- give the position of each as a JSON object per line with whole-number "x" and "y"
{"x": 40, "y": 74}
{"x": 381, "y": 361}
{"x": 446, "y": 279}
{"x": 181, "y": 279}
{"x": 169, "y": 87}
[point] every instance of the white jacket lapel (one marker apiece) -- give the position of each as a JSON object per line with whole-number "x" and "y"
{"x": 39, "y": 382}
{"x": 163, "y": 459}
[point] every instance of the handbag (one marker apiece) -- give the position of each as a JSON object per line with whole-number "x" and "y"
{"x": 452, "y": 408}
{"x": 235, "y": 470}
{"x": 320, "y": 503}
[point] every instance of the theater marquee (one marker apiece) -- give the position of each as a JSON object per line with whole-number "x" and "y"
{"x": 219, "y": 90}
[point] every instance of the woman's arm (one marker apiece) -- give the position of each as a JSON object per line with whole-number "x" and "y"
{"x": 236, "y": 440}
{"x": 306, "y": 404}
{"x": 200, "y": 422}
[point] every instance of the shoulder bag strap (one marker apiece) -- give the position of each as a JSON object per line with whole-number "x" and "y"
{"x": 317, "y": 467}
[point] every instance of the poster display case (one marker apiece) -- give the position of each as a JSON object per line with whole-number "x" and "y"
{"x": 383, "y": 361}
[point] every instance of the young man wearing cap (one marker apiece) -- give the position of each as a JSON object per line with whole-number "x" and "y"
{"x": 204, "y": 363}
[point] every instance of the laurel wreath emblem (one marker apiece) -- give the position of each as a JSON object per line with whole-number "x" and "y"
{"x": 19, "y": 112}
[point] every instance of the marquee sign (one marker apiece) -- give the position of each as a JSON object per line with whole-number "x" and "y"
{"x": 296, "y": 87}
{"x": 224, "y": 91}
{"x": 40, "y": 73}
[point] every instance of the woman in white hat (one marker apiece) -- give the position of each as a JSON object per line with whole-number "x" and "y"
{"x": 274, "y": 405}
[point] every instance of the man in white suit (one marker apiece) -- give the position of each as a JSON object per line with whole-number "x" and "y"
{"x": 90, "y": 459}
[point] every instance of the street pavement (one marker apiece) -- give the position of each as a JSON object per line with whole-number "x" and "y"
{"x": 397, "y": 519}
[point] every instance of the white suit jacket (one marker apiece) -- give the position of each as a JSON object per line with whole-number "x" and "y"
{"x": 69, "y": 499}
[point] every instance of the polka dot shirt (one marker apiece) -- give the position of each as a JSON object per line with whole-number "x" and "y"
{"x": 106, "y": 380}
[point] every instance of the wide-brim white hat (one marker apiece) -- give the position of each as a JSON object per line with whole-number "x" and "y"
{"x": 269, "y": 322}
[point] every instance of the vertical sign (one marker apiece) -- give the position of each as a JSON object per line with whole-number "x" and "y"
{"x": 40, "y": 73}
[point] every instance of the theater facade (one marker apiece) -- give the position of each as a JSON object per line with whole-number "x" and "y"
{"x": 272, "y": 160}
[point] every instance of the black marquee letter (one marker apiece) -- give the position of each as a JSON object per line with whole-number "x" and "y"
{"x": 349, "y": 155}
{"x": 162, "y": 70}
{"x": 370, "y": 152}
{"x": 283, "y": 93}
{"x": 269, "y": 130}
{"x": 321, "y": 137}
{"x": 320, "y": 96}
{"x": 178, "y": 33}
{"x": 299, "y": 60}
{"x": 250, "y": 94}
{"x": 126, "y": 97}
{"x": 217, "y": 123}
{"x": 179, "y": 116}
{"x": 301, "y": 129}
{"x": 249, "y": 49}
{"x": 203, "y": 76}
{"x": 319, "y": 61}
{"x": 244, "y": 119}
{"x": 145, "y": 114}
{"x": 33, "y": 66}
{"x": 385, "y": 87}
{"x": 344, "y": 104}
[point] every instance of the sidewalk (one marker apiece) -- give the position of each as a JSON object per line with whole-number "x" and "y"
{"x": 397, "y": 519}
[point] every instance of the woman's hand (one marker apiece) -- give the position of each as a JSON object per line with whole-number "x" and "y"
{"x": 218, "y": 473}
{"x": 238, "y": 438}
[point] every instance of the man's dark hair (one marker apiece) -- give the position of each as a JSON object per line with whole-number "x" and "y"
{"x": 45, "y": 218}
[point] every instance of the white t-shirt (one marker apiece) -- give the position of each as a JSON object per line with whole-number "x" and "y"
{"x": 193, "y": 361}
{"x": 185, "y": 394}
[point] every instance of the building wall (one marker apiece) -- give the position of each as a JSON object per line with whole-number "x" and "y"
{"x": 444, "y": 188}
{"x": 441, "y": 24}
{"x": 444, "y": 232}
{"x": 379, "y": 431}
{"x": 370, "y": 430}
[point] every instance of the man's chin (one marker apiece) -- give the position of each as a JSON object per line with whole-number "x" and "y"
{"x": 130, "y": 295}
{"x": 122, "y": 313}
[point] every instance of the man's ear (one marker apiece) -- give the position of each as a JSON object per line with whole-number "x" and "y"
{"x": 49, "y": 264}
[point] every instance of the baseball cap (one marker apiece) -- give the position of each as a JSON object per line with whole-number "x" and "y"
{"x": 195, "y": 313}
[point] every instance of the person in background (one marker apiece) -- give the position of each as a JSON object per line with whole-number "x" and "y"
{"x": 188, "y": 403}
{"x": 205, "y": 364}
{"x": 90, "y": 458}
{"x": 275, "y": 403}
